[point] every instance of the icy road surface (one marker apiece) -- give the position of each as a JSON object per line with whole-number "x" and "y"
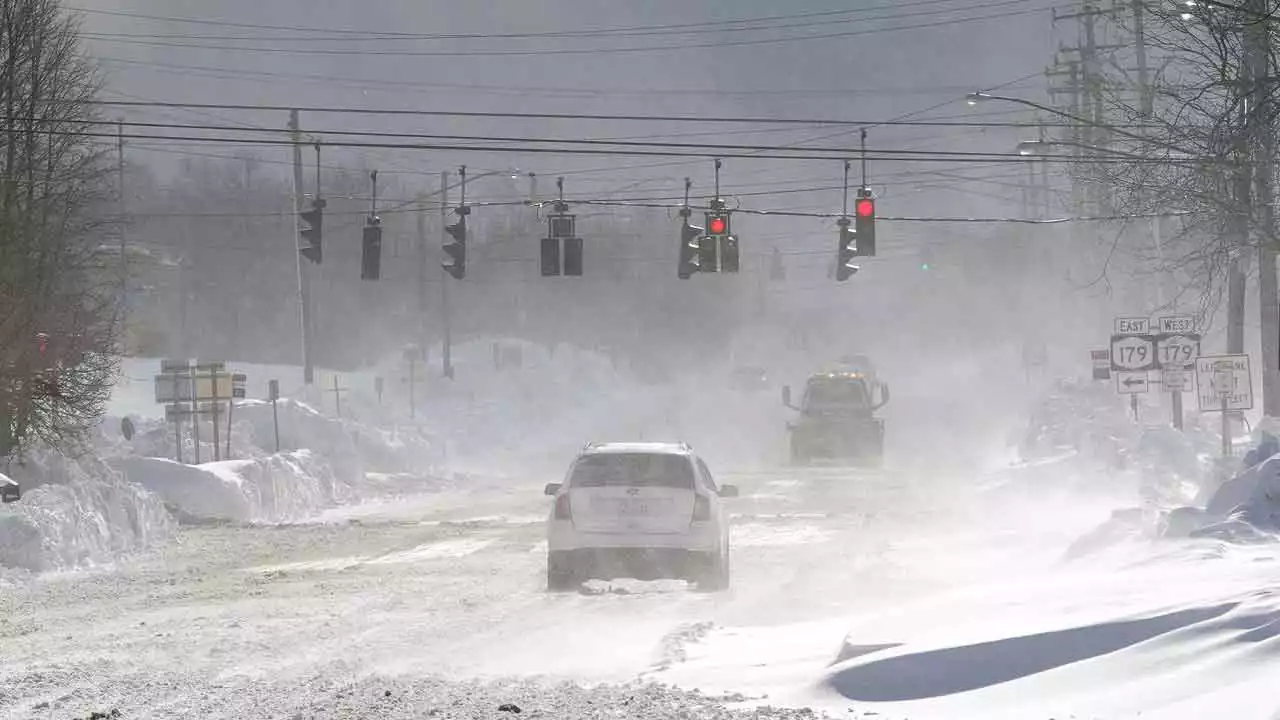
{"x": 268, "y": 621}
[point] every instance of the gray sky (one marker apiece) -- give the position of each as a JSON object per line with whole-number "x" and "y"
{"x": 871, "y": 71}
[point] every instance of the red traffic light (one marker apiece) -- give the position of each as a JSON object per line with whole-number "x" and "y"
{"x": 717, "y": 225}
{"x": 865, "y": 207}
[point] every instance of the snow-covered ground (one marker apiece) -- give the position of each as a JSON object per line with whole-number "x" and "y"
{"x": 394, "y": 570}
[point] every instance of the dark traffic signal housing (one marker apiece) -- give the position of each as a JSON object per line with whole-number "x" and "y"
{"x": 691, "y": 241}
{"x": 456, "y": 249}
{"x": 846, "y": 251}
{"x": 561, "y": 252}
{"x": 371, "y": 250}
{"x": 312, "y": 233}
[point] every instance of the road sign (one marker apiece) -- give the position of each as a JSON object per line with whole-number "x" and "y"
{"x": 174, "y": 366}
{"x": 1177, "y": 351}
{"x": 1132, "y": 325}
{"x": 173, "y": 388}
{"x": 1133, "y": 352}
{"x": 1224, "y": 377}
{"x": 238, "y": 381}
{"x": 1175, "y": 380}
{"x": 1101, "y": 364}
{"x": 1176, "y": 324}
{"x": 1129, "y": 382}
{"x": 273, "y": 390}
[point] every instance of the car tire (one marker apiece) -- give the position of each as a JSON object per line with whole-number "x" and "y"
{"x": 799, "y": 455}
{"x": 714, "y": 574}
{"x": 562, "y": 576}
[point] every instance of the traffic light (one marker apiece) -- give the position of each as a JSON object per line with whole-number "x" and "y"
{"x": 846, "y": 250}
{"x": 730, "y": 257}
{"x": 456, "y": 250}
{"x": 718, "y": 224}
{"x": 371, "y": 250}
{"x": 865, "y": 225}
{"x": 573, "y": 256}
{"x": 550, "y": 257}
{"x": 561, "y": 243}
{"x": 691, "y": 242}
{"x": 312, "y": 233}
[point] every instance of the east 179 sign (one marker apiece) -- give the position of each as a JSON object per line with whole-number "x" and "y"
{"x": 1133, "y": 352}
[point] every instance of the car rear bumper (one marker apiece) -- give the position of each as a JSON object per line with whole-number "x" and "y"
{"x": 702, "y": 538}
{"x": 641, "y": 563}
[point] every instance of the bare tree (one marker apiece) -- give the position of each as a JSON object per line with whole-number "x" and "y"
{"x": 60, "y": 282}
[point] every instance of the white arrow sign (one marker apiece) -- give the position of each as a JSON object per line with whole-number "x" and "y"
{"x": 1131, "y": 383}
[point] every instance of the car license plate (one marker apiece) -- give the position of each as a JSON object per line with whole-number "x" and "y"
{"x": 630, "y": 507}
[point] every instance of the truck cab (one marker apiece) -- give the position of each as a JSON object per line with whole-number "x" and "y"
{"x": 837, "y": 419}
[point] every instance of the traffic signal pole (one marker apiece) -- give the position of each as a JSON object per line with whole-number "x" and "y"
{"x": 446, "y": 341}
{"x": 304, "y": 280}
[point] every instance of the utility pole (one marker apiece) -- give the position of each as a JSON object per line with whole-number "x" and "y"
{"x": 423, "y": 259}
{"x": 124, "y": 258}
{"x": 1257, "y": 45}
{"x": 304, "y": 278}
{"x": 446, "y": 341}
{"x": 1146, "y": 94}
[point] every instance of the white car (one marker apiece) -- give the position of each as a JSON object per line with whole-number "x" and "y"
{"x": 638, "y": 510}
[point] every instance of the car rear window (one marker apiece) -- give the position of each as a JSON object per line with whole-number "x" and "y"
{"x": 632, "y": 470}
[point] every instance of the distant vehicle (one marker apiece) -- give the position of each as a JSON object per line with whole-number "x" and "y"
{"x": 642, "y": 510}
{"x": 10, "y": 491}
{"x": 748, "y": 378}
{"x": 837, "y": 419}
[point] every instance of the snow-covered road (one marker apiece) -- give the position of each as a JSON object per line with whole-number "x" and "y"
{"x": 411, "y": 595}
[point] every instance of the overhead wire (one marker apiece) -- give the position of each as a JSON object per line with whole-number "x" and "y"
{"x": 613, "y": 49}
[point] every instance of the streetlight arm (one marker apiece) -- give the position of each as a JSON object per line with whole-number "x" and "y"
{"x": 975, "y": 97}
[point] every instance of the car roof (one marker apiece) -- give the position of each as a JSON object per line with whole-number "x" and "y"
{"x": 653, "y": 448}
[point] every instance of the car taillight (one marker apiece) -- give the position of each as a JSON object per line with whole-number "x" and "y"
{"x": 701, "y": 508}
{"x": 563, "y": 512}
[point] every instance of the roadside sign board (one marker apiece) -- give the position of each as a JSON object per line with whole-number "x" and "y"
{"x": 174, "y": 366}
{"x": 1132, "y": 326}
{"x": 1130, "y": 382}
{"x": 238, "y": 381}
{"x": 1224, "y": 377}
{"x": 273, "y": 390}
{"x": 1175, "y": 380}
{"x": 1177, "y": 351}
{"x": 1133, "y": 352}
{"x": 1101, "y": 364}
{"x": 173, "y": 388}
{"x": 1176, "y": 324}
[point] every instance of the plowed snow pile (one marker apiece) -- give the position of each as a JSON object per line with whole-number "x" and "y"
{"x": 84, "y": 513}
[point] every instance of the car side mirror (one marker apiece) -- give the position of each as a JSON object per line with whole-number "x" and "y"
{"x": 729, "y": 491}
{"x": 786, "y": 395}
{"x": 552, "y": 489}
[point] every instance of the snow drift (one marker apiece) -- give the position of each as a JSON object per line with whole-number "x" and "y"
{"x": 74, "y": 512}
{"x": 273, "y": 488}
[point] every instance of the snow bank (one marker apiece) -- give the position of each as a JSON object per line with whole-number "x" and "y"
{"x": 267, "y": 489}
{"x": 1092, "y": 640}
{"x": 76, "y": 512}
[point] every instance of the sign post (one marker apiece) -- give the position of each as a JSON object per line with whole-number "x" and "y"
{"x": 1224, "y": 384}
{"x": 273, "y": 389}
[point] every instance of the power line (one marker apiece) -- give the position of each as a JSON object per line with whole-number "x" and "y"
{"x": 424, "y": 86}
{"x": 730, "y": 148}
{"x": 562, "y": 33}
{"x": 592, "y": 116}
{"x": 829, "y": 18}
{"x": 593, "y": 51}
